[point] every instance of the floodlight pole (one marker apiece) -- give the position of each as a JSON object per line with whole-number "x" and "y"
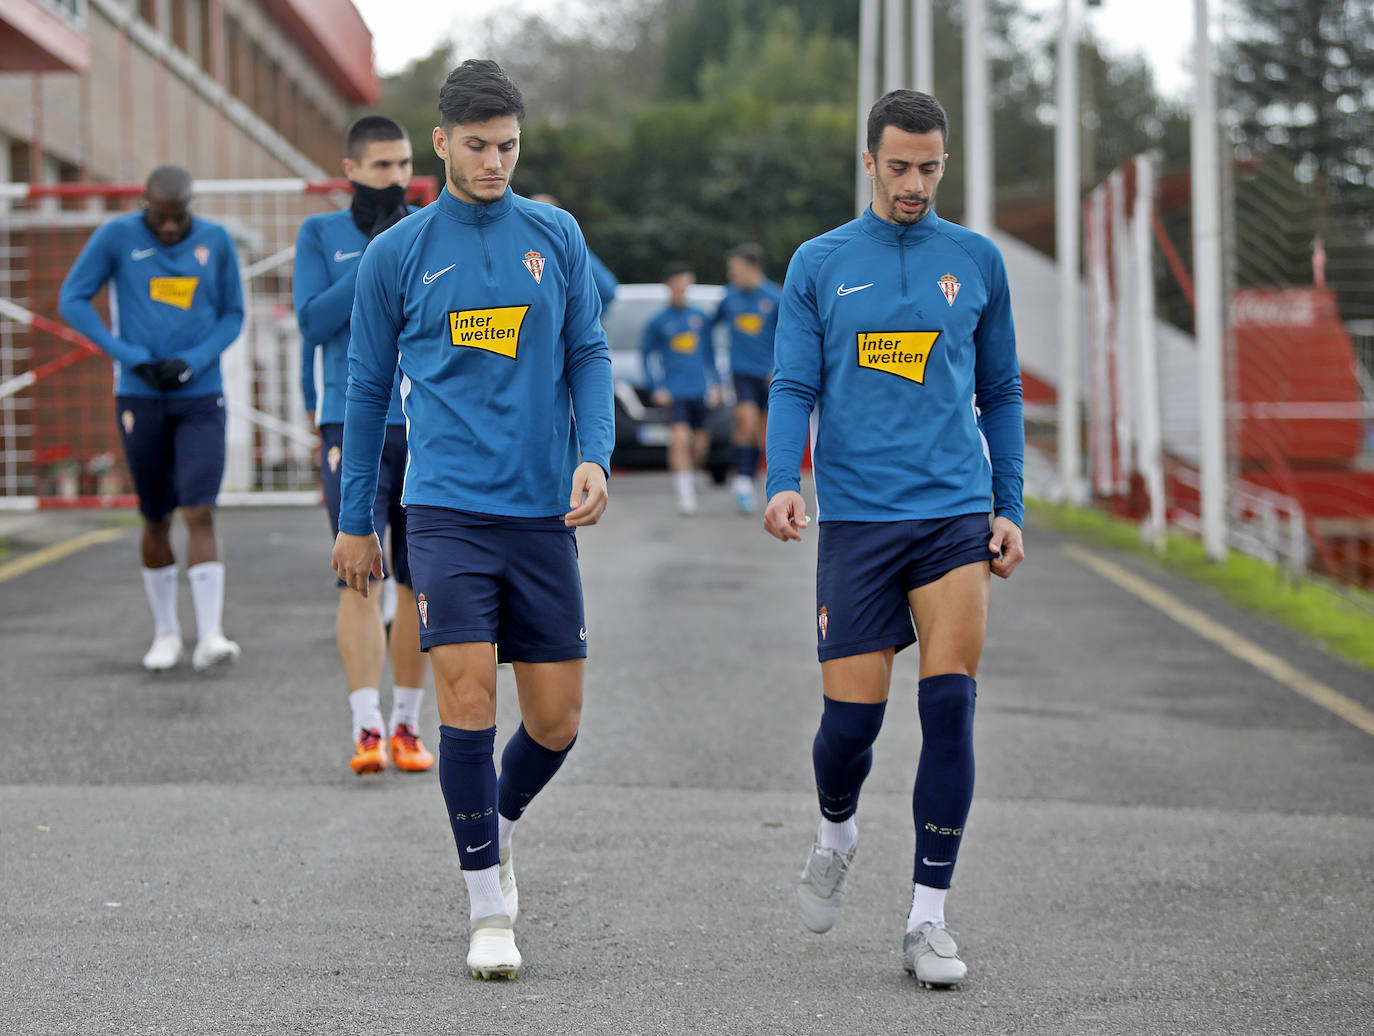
{"x": 894, "y": 47}
{"x": 923, "y": 46}
{"x": 868, "y": 93}
{"x": 1067, "y": 238}
{"x": 1208, "y": 320}
{"x": 978, "y": 185}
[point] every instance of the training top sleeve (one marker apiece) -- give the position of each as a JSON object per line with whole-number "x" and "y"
{"x": 586, "y": 359}
{"x": 93, "y": 267}
{"x": 997, "y": 380}
{"x": 322, "y": 307}
{"x": 796, "y": 382}
{"x": 708, "y": 352}
{"x": 651, "y": 349}
{"x": 606, "y": 283}
{"x": 229, "y": 321}
{"x": 376, "y": 328}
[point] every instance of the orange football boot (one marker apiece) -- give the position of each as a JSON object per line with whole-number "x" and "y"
{"x": 368, "y": 755}
{"x": 407, "y": 752}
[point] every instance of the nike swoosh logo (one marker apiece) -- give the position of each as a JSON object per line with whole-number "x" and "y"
{"x": 936, "y": 863}
{"x": 479, "y": 848}
{"x": 832, "y": 812}
{"x": 340, "y": 257}
{"x": 430, "y": 278}
{"x": 582, "y": 633}
{"x": 142, "y": 253}
{"x": 842, "y": 290}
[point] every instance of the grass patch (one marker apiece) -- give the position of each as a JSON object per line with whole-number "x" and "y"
{"x": 1341, "y": 619}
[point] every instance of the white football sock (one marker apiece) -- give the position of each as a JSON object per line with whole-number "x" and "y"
{"x": 405, "y": 706}
{"x": 927, "y": 904}
{"x": 484, "y": 892}
{"x": 686, "y": 488}
{"x": 744, "y": 484}
{"x": 504, "y": 829}
{"x": 160, "y": 584}
{"x": 841, "y": 837}
{"x": 366, "y": 705}
{"x": 207, "y": 595}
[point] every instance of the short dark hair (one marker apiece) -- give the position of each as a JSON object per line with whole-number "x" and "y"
{"x": 749, "y": 251}
{"x": 370, "y": 129}
{"x": 170, "y": 183}
{"x": 478, "y": 90}
{"x": 908, "y": 110}
{"x": 676, "y": 267}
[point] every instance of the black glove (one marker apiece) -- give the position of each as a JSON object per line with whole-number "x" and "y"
{"x": 149, "y": 373}
{"x": 173, "y": 373}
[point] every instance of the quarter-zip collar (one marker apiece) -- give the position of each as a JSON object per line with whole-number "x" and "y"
{"x": 467, "y": 212}
{"x": 898, "y": 233}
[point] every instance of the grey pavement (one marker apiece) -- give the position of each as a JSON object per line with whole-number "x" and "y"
{"x": 1163, "y": 839}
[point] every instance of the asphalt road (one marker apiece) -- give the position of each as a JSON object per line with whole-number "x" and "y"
{"x": 1163, "y": 838}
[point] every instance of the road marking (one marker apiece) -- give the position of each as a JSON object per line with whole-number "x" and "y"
{"x": 56, "y": 552}
{"x": 1229, "y": 640}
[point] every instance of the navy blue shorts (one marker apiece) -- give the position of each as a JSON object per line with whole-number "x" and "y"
{"x": 175, "y": 450}
{"x": 865, "y": 569}
{"x": 688, "y": 411}
{"x": 512, "y": 582}
{"x": 750, "y": 388}
{"x": 387, "y": 512}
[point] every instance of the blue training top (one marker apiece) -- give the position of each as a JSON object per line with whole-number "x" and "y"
{"x": 892, "y": 334}
{"x": 679, "y": 353}
{"x": 496, "y": 321}
{"x": 752, "y": 317}
{"x": 328, "y": 249}
{"x": 606, "y": 283}
{"x": 183, "y": 300}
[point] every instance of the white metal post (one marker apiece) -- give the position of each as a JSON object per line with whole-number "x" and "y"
{"x": 894, "y": 46}
{"x": 978, "y": 183}
{"x": 1208, "y": 293}
{"x": 1122, "y": 338}
{"x": 1067, "y": 222}
{"x": 1149, "y": 437}
{"x": 923, "y": 46}
{"x": 868, "y": 93}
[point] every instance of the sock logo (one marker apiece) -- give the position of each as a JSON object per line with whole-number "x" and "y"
{"x": 478, "y": 848}
{"x": 933, "y": 829}
{"x": 936, "y": 863}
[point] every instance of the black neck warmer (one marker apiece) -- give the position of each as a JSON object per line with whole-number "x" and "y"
{"x": 376, "y": 208}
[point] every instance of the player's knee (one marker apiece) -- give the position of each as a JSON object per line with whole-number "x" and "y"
{"x": 945, "y": 704}
{"x": 849, "y": 728}
{"x": 202, "y": 516}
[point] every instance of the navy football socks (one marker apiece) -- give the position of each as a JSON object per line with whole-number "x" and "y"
{"x": 944, "y": 776}
{"x": 526, "y": 766}
{"x": 842, "y": 754}
{"x": 467, "y": 777}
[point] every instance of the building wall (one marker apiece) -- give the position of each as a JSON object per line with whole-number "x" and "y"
{"x": 214, "y": 85}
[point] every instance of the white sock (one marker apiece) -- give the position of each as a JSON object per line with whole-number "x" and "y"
{"x": 160, "y": 584}
{"x": 207, "y": 595}
{"x": 841, "y": 837}
{"x": 927, "y": 904}
{"x": 484, "y": 892}
{"x": 388, "y": 600}
{"x": 744, "y": 484}
{"x": 686, "y": 489}
{"x": 366, "y": 704}
{"x": 405, "y": 706}
{"x": 504, "y": 829}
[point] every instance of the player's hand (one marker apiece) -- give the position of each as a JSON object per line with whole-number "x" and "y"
{"x": 589, "y": 495}
{"x": 356, "y": 558}
{"x": 173, "y": 373}
{"x": 1007, "y": 547}
{"x": 149, "y": 374}
{"x": 662, "y": 397}
{"x": 785, "y": 516}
